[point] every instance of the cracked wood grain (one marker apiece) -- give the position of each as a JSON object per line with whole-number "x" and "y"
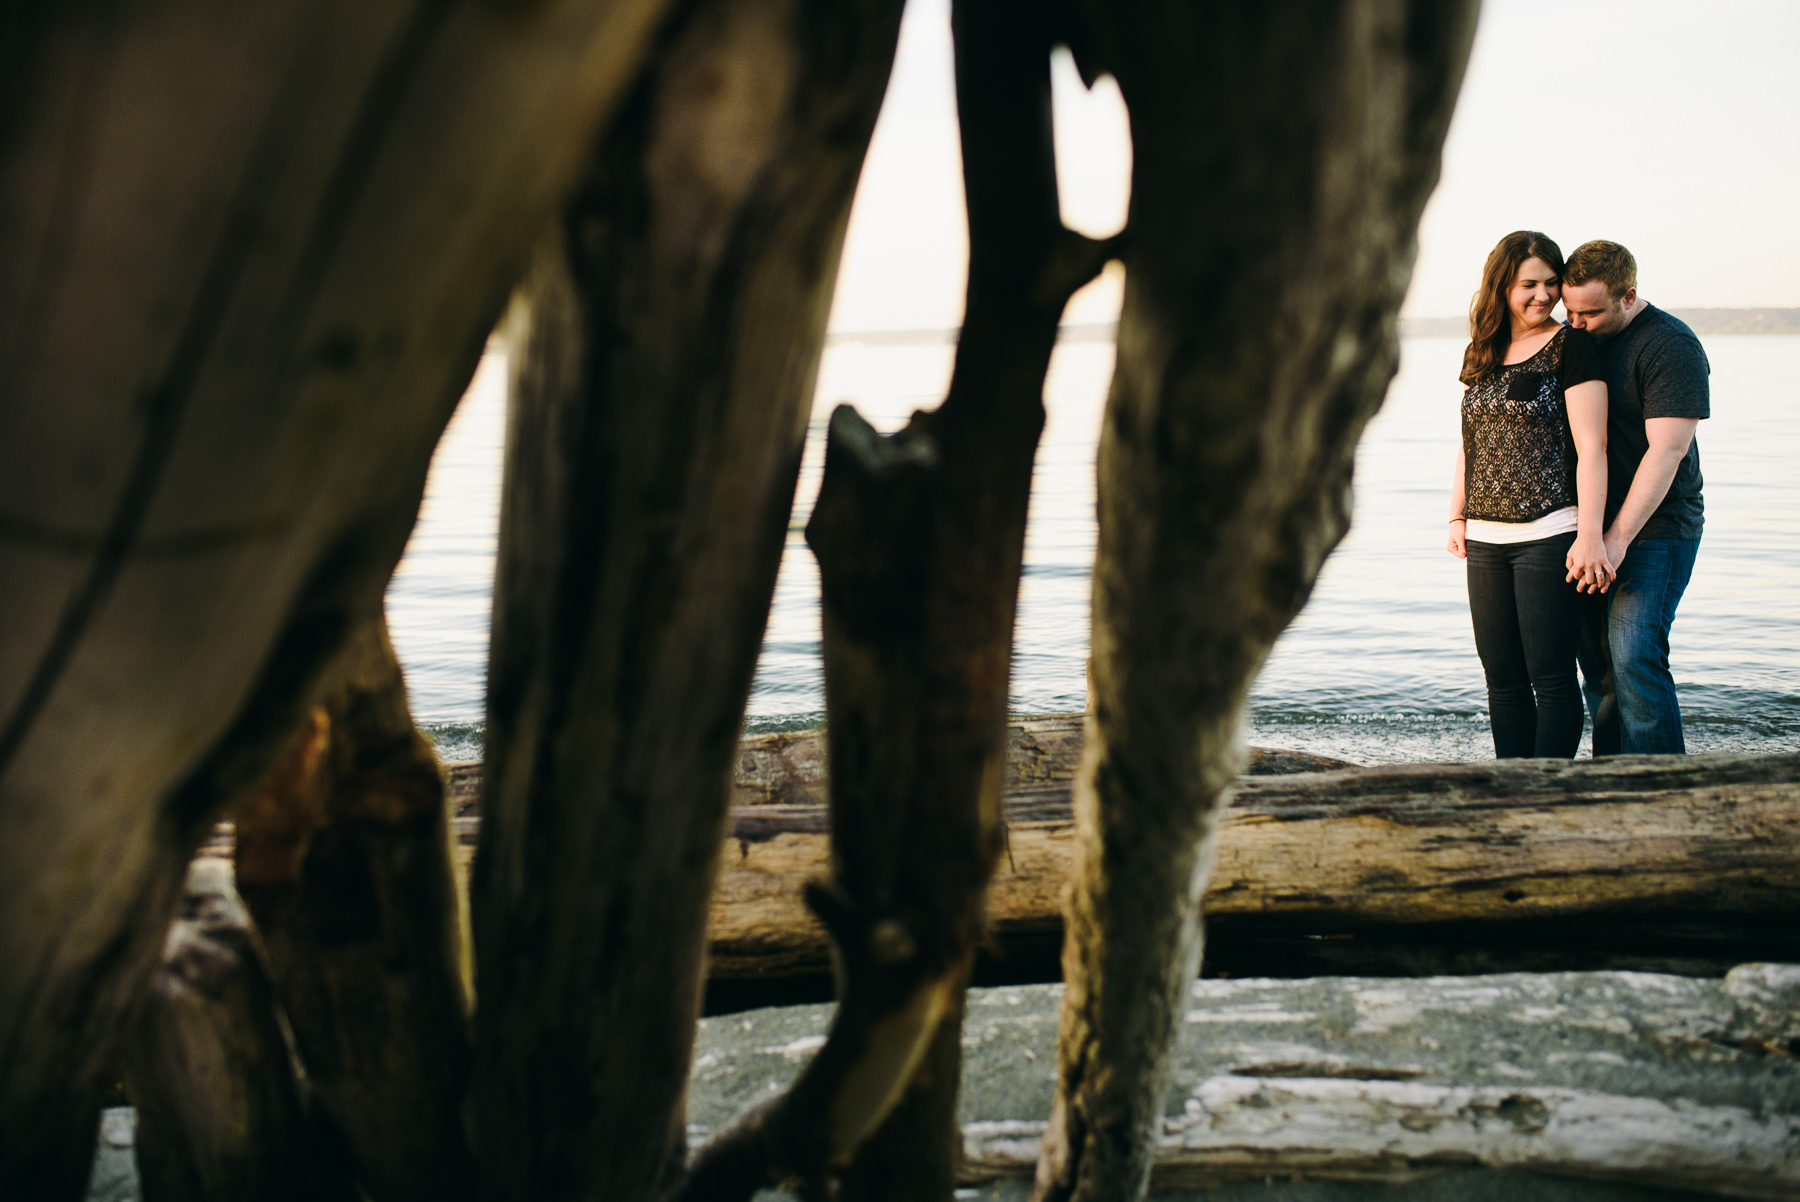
{"x": 1281, "y": 157}
{"x": 261, "y": 250}
{"x": 1685, "y": 863}
{"x": 673, "y": 321}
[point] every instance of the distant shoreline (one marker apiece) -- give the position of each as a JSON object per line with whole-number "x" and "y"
{"x": 1701, "y": 321}
{"x": 1778, "y": 322}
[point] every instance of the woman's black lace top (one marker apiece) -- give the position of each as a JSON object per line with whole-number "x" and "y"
{"x": 1518, "y": 453}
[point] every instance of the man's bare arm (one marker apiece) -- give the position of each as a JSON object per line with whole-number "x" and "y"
{"x": 1669, "y": 439}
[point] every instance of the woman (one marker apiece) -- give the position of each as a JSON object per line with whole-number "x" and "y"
{"x": 1529, "y": 495}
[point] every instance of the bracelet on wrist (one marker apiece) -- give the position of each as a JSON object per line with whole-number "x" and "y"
{"x": 1459, "y": 519}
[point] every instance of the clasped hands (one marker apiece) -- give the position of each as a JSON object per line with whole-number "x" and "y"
{"x": 1593, "y": 564}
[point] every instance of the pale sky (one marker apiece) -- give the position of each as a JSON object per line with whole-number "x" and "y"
{"x": 1674, "y": 128}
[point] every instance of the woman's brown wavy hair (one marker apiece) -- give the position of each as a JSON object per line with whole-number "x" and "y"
{"x": 1490, "y": 324}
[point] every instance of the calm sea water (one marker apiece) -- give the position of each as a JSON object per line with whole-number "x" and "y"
{"x": 1379, "y": 667}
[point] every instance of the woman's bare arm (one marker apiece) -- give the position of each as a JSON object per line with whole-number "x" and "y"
{"x": 1589, "y": 567}
{"x": 1459, "y": 529}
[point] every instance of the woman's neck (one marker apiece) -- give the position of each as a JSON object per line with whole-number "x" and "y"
{"x": 1524, "y": 333}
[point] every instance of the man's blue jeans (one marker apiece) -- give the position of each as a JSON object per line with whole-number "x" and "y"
{"x": 1625, "y": 651}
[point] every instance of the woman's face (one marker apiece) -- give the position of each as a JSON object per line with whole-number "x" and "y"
{"x": 1534, "y": 292}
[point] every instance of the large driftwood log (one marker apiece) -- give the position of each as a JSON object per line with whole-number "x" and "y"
{"x": 919, "y": 538}
{"x": 249, "y": 256}
{"x": 675, "y": 318}
{"x": 1281, "y": 157}
{"x": 1687, "y": 864}
{"x": 344, "y": 860}
{"x": 1602, "y": 1079}
{"x": 1630, "y": 1078}
{"x": 760, "y": 928}
{"x": 221, "y": 1114}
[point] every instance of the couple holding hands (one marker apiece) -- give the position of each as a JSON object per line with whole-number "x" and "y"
{"x": 1576, "y": 498}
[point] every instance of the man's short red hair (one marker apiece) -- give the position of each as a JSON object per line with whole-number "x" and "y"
{"x": 1607, "y": 262}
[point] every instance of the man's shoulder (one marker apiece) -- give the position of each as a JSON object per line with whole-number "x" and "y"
{"x": 1666, "y": 365}
{"x": 1657, "y": 340}
{"x": 1656, "y": 327}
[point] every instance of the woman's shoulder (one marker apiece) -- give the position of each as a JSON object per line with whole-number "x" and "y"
{"x": 1566, "y": 344}
{"x": 1579, "y": 358}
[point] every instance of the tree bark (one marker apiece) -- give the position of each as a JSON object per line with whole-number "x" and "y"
{"x": 251, "y": 255}
{"x": 1281, "y": 157}
{"x": 221, "y": 1115}
{"x": 345, "y": 861}
{"x": 676, "y": 317}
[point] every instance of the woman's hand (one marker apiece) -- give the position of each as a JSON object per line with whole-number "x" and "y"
{"x": 1590, "y": 569}
{"x": 1459, "y": 529}
{"x": 1592, "y": 564}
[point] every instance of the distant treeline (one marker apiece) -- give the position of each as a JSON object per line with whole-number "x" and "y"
{"x": 1703, "y": 321}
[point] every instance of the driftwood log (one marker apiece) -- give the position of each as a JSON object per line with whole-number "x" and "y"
{"x": 674, "y": 316}
{"x": 1256, "y": 338}
{"x": 251, "y": 255}
{"x": 248, "y": 261}
{"x": 1685, "y": 865}
{"x": 344, "y": 862}
{"x": 919, "y": 538}
{"x": 1639, "y": 1079}
{"x": 1485, "y": 1086}
{"x": 222, "y": 1114}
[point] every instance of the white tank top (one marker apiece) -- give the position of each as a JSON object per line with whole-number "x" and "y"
{"x": 1557, "y": 522}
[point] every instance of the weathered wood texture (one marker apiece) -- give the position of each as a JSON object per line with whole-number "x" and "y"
{"x": 248, "y": 259}
{"x": 1611, "y": 1082}
{"x": 1281, "y": 156}
{"x": 789, "y": 768}
{"x": 1665, "y": 854}
{"x": 1630, "y": 1078}
{"x": 919, "y": 538}
{"x": 1668, "y": 864}
{"x": 1682, "y": 864}
{"x": 221, "y": 1113}
{"x": 760, "y": 927}
{"x": 344, "y": 859}
{"x": 674, "y": 321}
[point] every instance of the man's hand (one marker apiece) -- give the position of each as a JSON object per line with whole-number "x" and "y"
{"x": 1615, "y": 551}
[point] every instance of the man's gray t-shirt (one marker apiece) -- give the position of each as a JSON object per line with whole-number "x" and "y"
{"x": 1655, "y": 367}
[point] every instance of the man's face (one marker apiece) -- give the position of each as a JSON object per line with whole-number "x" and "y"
{"x": 1590, "y": 307}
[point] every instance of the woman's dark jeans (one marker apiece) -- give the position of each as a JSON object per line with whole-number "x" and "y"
{"x": 1527, "y": 621}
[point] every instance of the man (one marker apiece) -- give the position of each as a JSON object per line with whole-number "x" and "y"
{"x": 1656, "y": 395}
